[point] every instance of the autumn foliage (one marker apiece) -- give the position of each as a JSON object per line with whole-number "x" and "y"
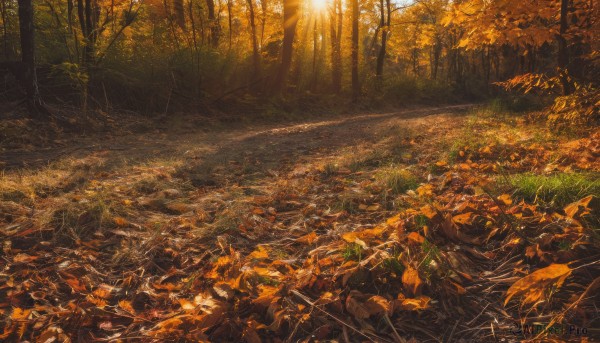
{"x": 458, "y": 256}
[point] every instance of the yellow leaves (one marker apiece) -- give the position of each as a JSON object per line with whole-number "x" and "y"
{"x": 19, "y": 314}
{"x": 425, "y": 190}
{"x": 260, "y": 253}
{"x": 411, "y": 281}
{"x": 505, "y": 199}
{"x": 533, "y": 285}
{"x": 18, "y": 323}
{"x": 428, "y": 211}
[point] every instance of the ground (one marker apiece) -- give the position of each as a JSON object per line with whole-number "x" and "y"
{"x": 413, "y": 225}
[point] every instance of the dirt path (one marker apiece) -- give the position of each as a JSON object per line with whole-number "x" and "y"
{"x": 269, "y": 145}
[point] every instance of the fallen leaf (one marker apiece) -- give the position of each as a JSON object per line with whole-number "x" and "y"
{"x": 415, "y": 238}
{"x": 579, "y": 208}
{"x": 24, "y": 258}
{"x": 308, "y": 238}
{"x": 533, "y": 285}
{"x": 505, "y": 199}
{"x": 411, "y": 281}
{"x": 413, "y": 304}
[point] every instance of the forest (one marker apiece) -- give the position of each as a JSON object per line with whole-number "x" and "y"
{"x": 299, "y": 171}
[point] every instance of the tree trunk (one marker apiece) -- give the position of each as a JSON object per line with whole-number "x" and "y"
{"x": 290, "y": 20}
{"x": 385, "y": 26}
{"x": 336, "y": 51}
{"x": 563, "y": 53}
{"x": 179, "y": 13}
{"x": 28, "y": 52}
{"x": 355, "y": 80}
{"x": 3, "y": 11}
{"x": 230, "y": 21}
{"x": 215, "y": 30}
{"x": 264, "y": 6}
{"x": 255, "y": 52}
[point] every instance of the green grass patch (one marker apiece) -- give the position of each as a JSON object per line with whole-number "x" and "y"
{"x": 558, "y": 189}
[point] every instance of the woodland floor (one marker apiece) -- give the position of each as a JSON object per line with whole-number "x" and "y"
{"x": 407, "y": 226}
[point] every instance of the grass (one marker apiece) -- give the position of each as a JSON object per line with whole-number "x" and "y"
{"x": 558, "y": 189}
{"x": 369, "y": 159}
{"x": 82, "y": 220}
{"x": 396, "y": 180}
{"x": 330, "y": 168}
{"x": 430, "y": 261}
{"x": 346, "y": 202}
{"x": 352, "y": 252}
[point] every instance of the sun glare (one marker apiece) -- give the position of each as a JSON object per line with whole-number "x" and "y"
{"x": 319, "y": 5}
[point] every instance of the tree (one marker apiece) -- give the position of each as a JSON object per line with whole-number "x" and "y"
{"x": 215, "y": 28}
{"x": 354, "y": 53}
{"x": 290, "y": 20}
{"x": 385, "y": 26}
{"x": 28, "y": 53}
{"x": 255, "y": 52}
{"x": 179, "y": 13}
{"x": 336, "y": 24}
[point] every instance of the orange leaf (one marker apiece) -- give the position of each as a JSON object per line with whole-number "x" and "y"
{"x": 24, "y": 258}
{"x": 534, "y": 284}
{"x": 259, "y": 254}
{"x": 126, "y": 305}
{"x": 363, "y": 235}
{"x": 362, "y": 308}
{"x": 308, "y": 238}
{"x": 506, "y": 199}
{"x": 419, "y": 303}
{"x": 428, "y": 211}
{"x": 76, "y": 284}
{"x": 411, "y": 280}
{"x": 464, "y": 218}
{"x": 579, "y": 208}
{"x": 120, "y": 221}
{"x": 416, "y": 238}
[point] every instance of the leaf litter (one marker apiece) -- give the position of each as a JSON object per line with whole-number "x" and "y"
{"x": 278, "y": 261}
